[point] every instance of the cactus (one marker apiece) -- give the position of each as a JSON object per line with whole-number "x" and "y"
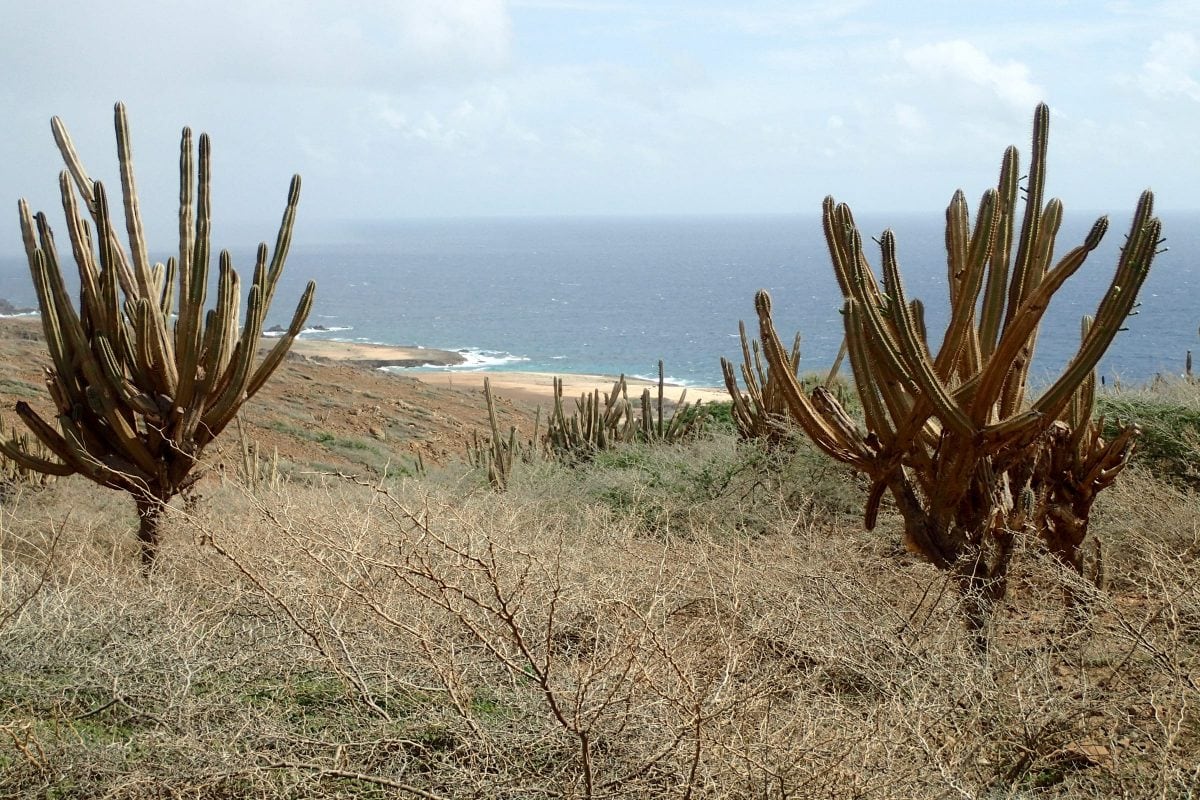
{"x": 602, "y": 420}
{"x": 14, "y": 475}
{"x": 760, "y": 413}
{"x": 598, "y": 422}
{"x": 496, "y": 452}
{"x": 254, "y": 471}
{"x": 136, "y": 400}
{"x": 654, "y": 425}
{"x": 952, "y": 436}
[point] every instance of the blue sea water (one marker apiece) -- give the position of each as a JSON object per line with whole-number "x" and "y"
{"x": 612, "y": 295}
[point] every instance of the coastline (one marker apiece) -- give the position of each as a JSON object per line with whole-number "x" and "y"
{"x": 368, "y": 356}
{"x": 533, "y": 388}
{"x": 538, "y": 387}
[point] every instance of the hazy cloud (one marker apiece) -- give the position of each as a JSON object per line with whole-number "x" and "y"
{"x": 1172, "y": 66}
{"x": 456, "y": 107}
{"x": 960, "y": 64}
{"x": 169, "y": 42}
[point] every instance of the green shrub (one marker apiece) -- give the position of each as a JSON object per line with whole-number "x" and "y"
{"x": 1169, "y": 445}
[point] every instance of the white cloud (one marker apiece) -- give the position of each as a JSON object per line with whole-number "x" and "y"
{"x": 473, "y": 123}
{"x": 775, "y": 19}
{"x": 385, "y": 43}
{"x": 1171, "y": 66}
{"x": 909, "y": 118}
{"x": 962, "y": 63}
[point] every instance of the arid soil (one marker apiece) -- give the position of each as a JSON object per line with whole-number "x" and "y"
{"x": 319, "y": 415}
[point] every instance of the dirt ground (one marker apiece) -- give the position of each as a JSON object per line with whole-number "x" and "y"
{"x": 317, "y": 415}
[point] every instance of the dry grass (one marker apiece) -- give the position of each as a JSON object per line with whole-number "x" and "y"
{"x": 665, "y": 623}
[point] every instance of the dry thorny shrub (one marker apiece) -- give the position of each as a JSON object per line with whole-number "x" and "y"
{"x": 441, "y": 642}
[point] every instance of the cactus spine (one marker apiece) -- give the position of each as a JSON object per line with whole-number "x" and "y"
{"x": 952, "y": 436}
{"x": 136, "y": 399}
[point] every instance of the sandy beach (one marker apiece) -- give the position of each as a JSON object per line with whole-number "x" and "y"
{"x": 538, "y": 387}
{"x": 534, "y": 388}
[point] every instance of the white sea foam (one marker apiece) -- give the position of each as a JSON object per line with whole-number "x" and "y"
{"x": 314, "y": 331}
{"x": 667, "y": 380}
{"x": 477, "y": 359}
{"x": 327, "y": 329}
{"x": 474, "y": 360}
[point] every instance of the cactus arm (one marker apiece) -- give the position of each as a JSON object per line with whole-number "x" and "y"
{"x": 283, "y": 239}
{"x": 957, "y": 233}
{"x": 1024, "y": 323}
{"x": 911, "y": 354}
{"x": 133, "y": 211}
{"x": 742, "y": 417}
{"x": 852, "y": 451}
{"x": 966, "y": 278}
{"x": 166, "y": 302}
{"x": 188, "y": 330}
{"x": 87, "y": 191}
{"x": 80, "y": 246}
{"x": 73, "y": 453}
{"x": 245, "y": 385}
{"x": 109, "y": 300}
{"x": 1035, "y": 189}
{"x": 105, "y": 399}
{"x": 71, "y": 158}
{"x": 161, "y": 366}
{"x": 1137, "y": 253}
{"x": 222, "y": 326}
{"x": 275, "y": 357}
{"x": 51, "y": 438}
{"x": 13, "y": 451}
{"x": 233, "y": 384}
{"x": 983, "y": 243}
{"x": 838, "y": 223}
{"x": 187, "y": 225}
{"x": 992, "y": 309}
{"x": 1136, "y": 258}
{"x": 61, "y": 327}
{"x": 660, "y": 399}
{"x": 1012, "y": 395}
{"x": 1079, "y": 415}
{"x": 880, "y": 396}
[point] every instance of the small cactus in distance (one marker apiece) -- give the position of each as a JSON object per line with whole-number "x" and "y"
{"x": 136, "y": 397}
{"x": 603, "y": 420}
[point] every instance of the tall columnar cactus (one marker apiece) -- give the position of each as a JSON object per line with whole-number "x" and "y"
{"x": 137, "y": 399}
{"x": 969, "y": 461}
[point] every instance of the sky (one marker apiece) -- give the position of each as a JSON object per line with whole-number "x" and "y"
{"x": 451, "y": 108}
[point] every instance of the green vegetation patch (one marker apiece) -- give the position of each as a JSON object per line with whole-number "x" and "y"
{"x": 1169, "y": 444}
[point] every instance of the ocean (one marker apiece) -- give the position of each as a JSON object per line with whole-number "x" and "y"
{"x": 614, "y": 295}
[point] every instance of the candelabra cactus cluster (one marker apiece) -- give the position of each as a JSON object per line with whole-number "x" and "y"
{"x": 602, "y": 420}
{"x": 762, "y": 412}
{"x": 969, "y": 462}
{"x": 137, "y": 399}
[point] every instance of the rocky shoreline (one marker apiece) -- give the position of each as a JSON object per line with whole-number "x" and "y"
{"x": 369, "y": 356}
